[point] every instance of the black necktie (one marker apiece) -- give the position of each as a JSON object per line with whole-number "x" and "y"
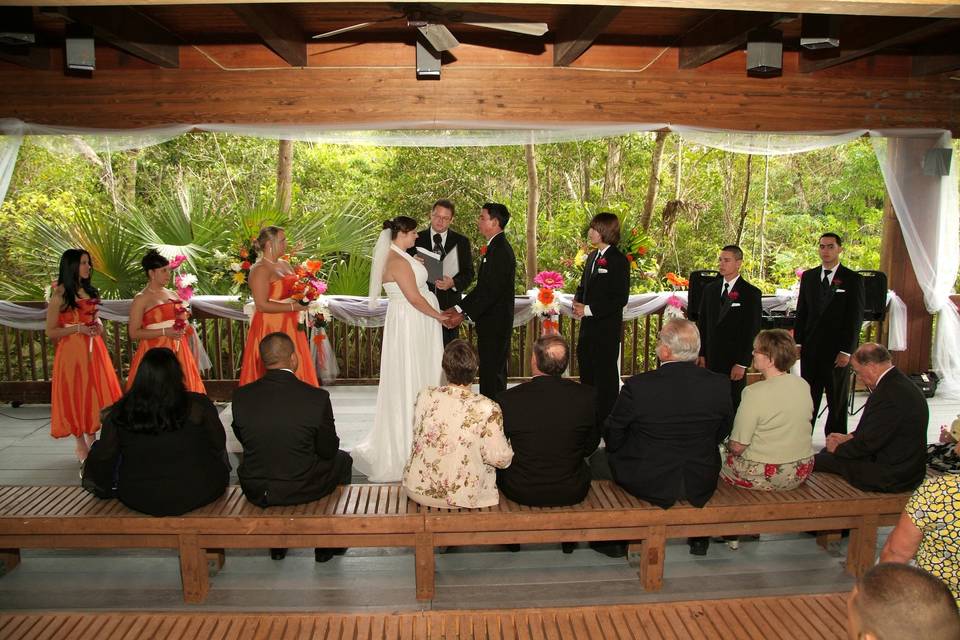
{"x": 723, "y": 296}
{"x": 825, "y": 283}
{"x": 437, "y": 245}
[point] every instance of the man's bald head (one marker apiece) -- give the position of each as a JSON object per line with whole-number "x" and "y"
{"x": 550, "y": 355}
{"x": 277, "y": 351}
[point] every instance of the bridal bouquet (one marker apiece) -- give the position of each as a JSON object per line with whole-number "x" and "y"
{"x": 545, "y": 301}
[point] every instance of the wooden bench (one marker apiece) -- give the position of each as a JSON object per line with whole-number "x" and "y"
{"x": 381, "y": 516}
{"x": 69, "y": 517}
{"x": 819, "y": 616}
{"x": 825, "y": 502}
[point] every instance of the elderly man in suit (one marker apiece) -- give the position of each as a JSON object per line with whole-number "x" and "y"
{"x": 663, "y": 434}
{"x": 728, "y": 321}
{"x": 829, "y": 315}
{"x": 888, "y": 450}
{"x": 291, "y": 450}
{"x": 490, "y": 303}
{"x": 441, "y": 239}
{"x": 550, "y": 424}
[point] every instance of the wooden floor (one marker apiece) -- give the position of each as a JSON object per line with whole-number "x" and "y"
{"x": 811, "y": 617}
{"x": 378, "y": 580}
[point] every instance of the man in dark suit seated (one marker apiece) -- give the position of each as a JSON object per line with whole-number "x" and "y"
{"x": 888, "y": 450}
{"x": 291, "y": 450}
{"x": 550, "y": 424}
{"x": 663, "y": 434}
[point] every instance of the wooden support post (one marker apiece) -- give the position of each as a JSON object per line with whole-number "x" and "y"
{"x": 216, "y": 558}
{"x": 9, "y": 559}
{"x": 652, "y": 552}
{"x": 193, "y": 569}
{"x": 423, "y": 554}
{"x": 862, "y": 550}
{"x": 828, "y": 540}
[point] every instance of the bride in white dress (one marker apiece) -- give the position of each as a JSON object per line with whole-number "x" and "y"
{"x": 411, "y": 353}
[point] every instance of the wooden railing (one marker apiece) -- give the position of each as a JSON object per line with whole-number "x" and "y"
{"x": 26, "y": 362}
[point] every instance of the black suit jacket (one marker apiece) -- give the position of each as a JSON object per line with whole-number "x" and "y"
{"x": 289, "y": 440}
{"x": 605, "y": 293}
{"x": 455, "y": 242}
{"x": 727, "y": 330}
{"x": 888, "y": 451}
{"x": 826, "y": 327}
{"x": 551, "y": 426}
{"x": 490, "y": 303}
{"x": 663, "y": 432}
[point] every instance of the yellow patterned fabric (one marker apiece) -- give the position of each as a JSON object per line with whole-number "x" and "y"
{"x": 935, "y": 509}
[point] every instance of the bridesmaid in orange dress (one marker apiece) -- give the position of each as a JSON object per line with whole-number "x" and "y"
{"x": 158, "y": 319}
{"x": 83, "y": 381}
{"x": 271, "y": 281}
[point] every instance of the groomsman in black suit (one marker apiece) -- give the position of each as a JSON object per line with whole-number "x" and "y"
{"x": 490, "y": 303}
{"x": 829, "y": 315}
{"x": 598, "y": 304}
{"x": 441, "y": 239}
{"x": 729, "y": 320}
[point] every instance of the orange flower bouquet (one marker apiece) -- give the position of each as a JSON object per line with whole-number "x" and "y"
{"x": 545, "y": 304}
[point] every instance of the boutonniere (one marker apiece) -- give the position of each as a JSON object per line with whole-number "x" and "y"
{"x": 483, "y": 250}
{"x": 733, "y": 296}
{"x": 602, "y": 261}
{"x": 837, "y": 282}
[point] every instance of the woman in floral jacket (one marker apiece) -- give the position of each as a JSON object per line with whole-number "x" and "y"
{"x": 458, "y": 440}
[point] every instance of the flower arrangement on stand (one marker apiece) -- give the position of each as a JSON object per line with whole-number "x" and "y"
{"x": 638, "y": 249}
{"x": 235, "y": 268}
{"x": 545, "y": 302}
{"x": 675, "y": 303}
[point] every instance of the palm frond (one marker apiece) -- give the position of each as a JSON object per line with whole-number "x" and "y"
{"x": 349, "y": 277}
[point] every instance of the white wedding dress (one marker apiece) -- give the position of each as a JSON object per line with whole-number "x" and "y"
{"x": 410, "y": 360}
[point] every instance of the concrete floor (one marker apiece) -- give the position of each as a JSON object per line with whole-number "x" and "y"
{"x": 382, "y": 579}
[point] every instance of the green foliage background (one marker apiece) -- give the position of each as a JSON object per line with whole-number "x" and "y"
{"x": 207, "y": 193}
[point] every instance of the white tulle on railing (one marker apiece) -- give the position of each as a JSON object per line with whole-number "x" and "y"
{"x": 355, "y": 311}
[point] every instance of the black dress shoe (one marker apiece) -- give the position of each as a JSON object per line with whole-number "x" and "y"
{"x": 278, "y": 553}
{"x": 610, "y": 549}
{"x": 512, "y": 548}
{"x": 323, "y": 555}
{"x": 699, "y": 546}
{"x": 568, "y": 547}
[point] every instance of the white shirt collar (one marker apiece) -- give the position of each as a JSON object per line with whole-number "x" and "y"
{"x": 833, "y": 272}
{"x": 732, "y": 282}
{"x": 443, "y": 236}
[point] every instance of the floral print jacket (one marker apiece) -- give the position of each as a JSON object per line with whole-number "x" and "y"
{"x": 458, "y": 442}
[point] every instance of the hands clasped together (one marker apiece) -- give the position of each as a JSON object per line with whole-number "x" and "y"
{"x": 451, "y": 318}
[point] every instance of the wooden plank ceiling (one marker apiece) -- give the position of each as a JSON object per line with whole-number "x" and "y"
{"x": 897, "y": 64}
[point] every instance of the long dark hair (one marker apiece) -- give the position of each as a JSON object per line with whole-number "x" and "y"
{"x": 157, "y": 401}
{"x": 69, "y": 277}
{"x": 400, "y": 224}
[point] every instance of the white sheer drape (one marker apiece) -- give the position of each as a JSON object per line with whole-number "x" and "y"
{"x": 927, "y": 209}
{"x": 9, "y": 150}
{"x": 766, "y": 144}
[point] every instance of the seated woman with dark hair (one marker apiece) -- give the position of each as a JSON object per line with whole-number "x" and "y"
{"x": 458, "y": 441}
{"x": 162, "y": 449}
{"x": 770, "y": 447}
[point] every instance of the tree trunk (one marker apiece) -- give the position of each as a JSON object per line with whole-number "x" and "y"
{"x": 746, "y": 197}
{"x": 585, "y": 177}
{"x": 285, "y": 176}
{"x": 654, "y": 181}
{"x": 762, "y": 262}
{"x": 679, "y": 167}
{"x": 130, "y": 186}
{"x": 107, "y": 179}
{"x": 611, "y": 178}
{"x": 533, "y": 198}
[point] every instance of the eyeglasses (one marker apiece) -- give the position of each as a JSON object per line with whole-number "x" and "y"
{"x": 437, "y": 216}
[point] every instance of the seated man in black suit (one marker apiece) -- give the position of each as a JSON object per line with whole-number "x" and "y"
{"x": 888, "y": 451}
{"x": 663, "y": 434}
{"x": 551, "y": 427}
{"x": 291, "y": 450}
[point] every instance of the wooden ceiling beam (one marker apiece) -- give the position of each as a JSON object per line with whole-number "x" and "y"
{"x": 578, "y": 30}
{"x": 873, "y": 37}
{"x": 277, "y": 29}
{"x": 128, "y": 30}
{"x": 720, "y": 33}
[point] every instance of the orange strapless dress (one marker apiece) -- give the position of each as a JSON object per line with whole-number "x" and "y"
{"x": 84, "y": 381}
{"x": 164, "y": 315}
{"x": 266, "y": 323}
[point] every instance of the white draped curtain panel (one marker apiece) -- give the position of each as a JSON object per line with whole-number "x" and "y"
{"x": 926, "y": 206}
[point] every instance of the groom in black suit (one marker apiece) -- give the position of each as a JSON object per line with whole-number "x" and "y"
{"x": 829, "y": 315}
{"x": 441, "y": 239}
{"x": 728, "y": 321}
{"x": 490, "y": 303}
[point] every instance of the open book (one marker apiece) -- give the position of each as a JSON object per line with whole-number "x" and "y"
{"x": 436, "y": 268}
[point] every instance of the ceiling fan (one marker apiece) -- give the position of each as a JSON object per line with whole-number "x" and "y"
{"x": 430, "y": 20}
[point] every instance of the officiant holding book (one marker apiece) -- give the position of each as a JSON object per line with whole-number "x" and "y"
{"x": 457, "y": 269}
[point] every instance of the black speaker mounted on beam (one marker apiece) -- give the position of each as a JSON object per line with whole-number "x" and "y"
{"x": 875, "y": 295}
{"x": 698, "y": 280}
{"x": 765, "y": 53}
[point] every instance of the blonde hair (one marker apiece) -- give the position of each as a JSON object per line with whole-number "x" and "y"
{"x": 269, "y": 237}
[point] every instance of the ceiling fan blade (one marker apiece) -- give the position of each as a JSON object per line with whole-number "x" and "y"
{"x": 438, "y": 36}
{"x": 354, "y": 27}
{"x": 526, "y": 28}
